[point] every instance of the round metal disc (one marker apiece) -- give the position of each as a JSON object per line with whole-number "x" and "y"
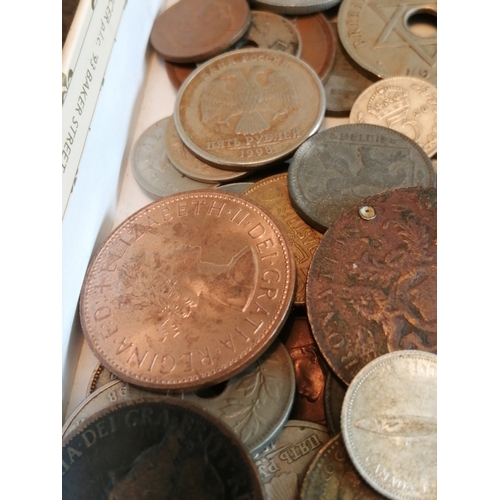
{"x": 294, "y": 7}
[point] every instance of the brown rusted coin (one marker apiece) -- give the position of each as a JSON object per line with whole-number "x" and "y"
{"x": 310, "y": 370}
{"x": 272, "y": 193}
{"x": 178, "y": 73}
{"x": 372, "y": 282}
{"x": 188, "y": 291}
{"x": 332, "y": 475}
{"x": 318, "y": 42}
{"x": 195, "y": 30}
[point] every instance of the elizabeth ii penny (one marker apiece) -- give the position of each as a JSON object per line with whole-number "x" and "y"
{"x": 248, "y": 108}
{"x": 195, "y": 30}
{"x": 191, "y": 166}
{"x": 188, "y": 291}
{"x": 389, "y": 424}
{"x": 272, "y": 193}
{"x": 378, "y": 35}
{"x": 332, "y": 475}
{"x": 155, "y": 448}
{"x": 372, "y": 282}
{"x": 342, "y": 165}
{"x": 403, "y": 103}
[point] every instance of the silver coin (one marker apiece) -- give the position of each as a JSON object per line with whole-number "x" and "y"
{"x": 402, "y": 103}
{"x": 389, "y": 424}
{"x": 380, "y": 37}
{"x": 191, "y": 166}
{"x": 295, "y": 6}
{"x": 152, "y": 168}
{"x": 283, "y": 464}
{"x": 256, "y": 403}
{"x": 235, "y": 187}
{"x": 344, "y": 164}
{"x": 249, "y": 108}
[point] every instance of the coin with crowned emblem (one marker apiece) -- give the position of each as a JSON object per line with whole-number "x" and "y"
{"x": 249, "y": 108}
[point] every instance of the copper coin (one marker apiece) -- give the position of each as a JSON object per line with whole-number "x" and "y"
{"x": 178, "y": 73}
{"x": 195, "y": 30}
{"x": 318, "y": 43}
{"x": 310, "y": 370}
{"x": 332, "y": 475}
{"x": 249, "y": 108}
{"x": 188, "y": 291}
{"x": 344, "y": 164}
{"x": 153, "y": 448}
{"x": 372, "y": 282}
{"x": 100, "y": 376}
{"x": 272, "y": 193}
{"x": 334, "y": 397}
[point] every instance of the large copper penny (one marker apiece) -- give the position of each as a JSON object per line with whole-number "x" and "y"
{"x": 318, "y": 42}
{"x": 195, "y": 30}
{"x": 188, "y": 291}
{"x": 372, "y": 282}
{"x": 332, "y": 475}
{"x": 342, "y": 165}
{"x": 155, "y": 448}
{"x": 272, "y": 193}
{"x": 248, "y": 108}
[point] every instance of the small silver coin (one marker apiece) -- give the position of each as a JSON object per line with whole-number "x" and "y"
{"x": 152, "y": 168}
{"x": 389, "y": 424}
{"x": 235, "y": 187}
{"x": 339, "y": 166}
{"x": 295, "y": 6}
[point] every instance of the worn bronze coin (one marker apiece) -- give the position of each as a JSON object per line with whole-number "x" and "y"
{"x": 310, "y": 370}
{"x": 333, "y": 399}
{"x": 372, "y": 282}
{"x": 249, "y": 108}
{"x": 188, "y": 291}
{"x": 154, "y": 448}
{"x": 178, "y": 73}
{"x": 332, "y": 475}
{"x": 318, "y": 42}
{"x": 341, "y": 165}
{"x": 195, "y": 30}
{"x": 272, "y": 193}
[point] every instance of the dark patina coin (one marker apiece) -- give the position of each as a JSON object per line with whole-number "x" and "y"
{"x": 342, "y": 165}
{"x": 152, "y": 449}
{"x": 372, "y": 283}
{"x": 333, "y": 399}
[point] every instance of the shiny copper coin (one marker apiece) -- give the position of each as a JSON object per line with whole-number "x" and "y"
{"x": 178, "y": 73}
{"x": 318, "y": 43}
{"x": 272, "y": 193}
{"x": 372, "y": 283}
{"x": 195, "y": 30}
{"x": 154, "y": 448}
{"x": 310, "y": 370}
{"x": 332, "y": 475}
{"x": 188, "y": 291}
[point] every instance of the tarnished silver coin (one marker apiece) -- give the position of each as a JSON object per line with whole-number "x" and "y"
{"x": 332, "y": 475}
{"x": 389, "y": 424}
{"x": 191, "y": 166}
{"x": 341, "y": 165}
{"x": 283, "y": 464}
{"x": 249, "y": 108}
{"x": 257, "y": 402}
{"x": 379, "y": 35}
{"x": 295, "y": 6}
{"x": 152, "y": 168}
{"x": 403, "y": 103}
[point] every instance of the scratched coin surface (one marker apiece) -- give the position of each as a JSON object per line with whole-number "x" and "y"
{"x": 402, "y": 103}
{"x": 341, "y": 165}
{"x": 191, "y": 166}
{"x": 295, "y": 6}
{"x": 195, "y": 30}
{"x": 379, "y": 36}
{"x": 152, "y": 168}
{"x": 272, "y": 193}
{"x": 283, "y": 464}
{"x": 389, "y": 424}
{"x": 372, "y": 282}
{"x": 155, "y": 448}
{"x": 332, "y": 475}
{"x": 188, "y": 291}
{"x": 248, "y": 108}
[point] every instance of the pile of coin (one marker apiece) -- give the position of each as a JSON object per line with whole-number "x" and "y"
{"x": 275, "y": 337}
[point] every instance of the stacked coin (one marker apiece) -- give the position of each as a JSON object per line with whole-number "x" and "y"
{"x": 257, "y": 304}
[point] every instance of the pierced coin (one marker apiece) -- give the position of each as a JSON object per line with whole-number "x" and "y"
{"x": 367, "y": 213}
